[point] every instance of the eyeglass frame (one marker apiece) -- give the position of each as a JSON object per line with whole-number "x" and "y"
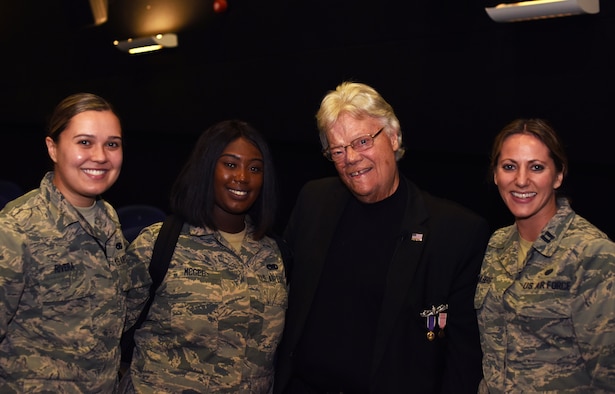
{"x": 327, "y": 151}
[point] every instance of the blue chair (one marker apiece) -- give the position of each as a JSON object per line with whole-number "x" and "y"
{"x": 136, "y": 217}
{"x": 9, "y": 191}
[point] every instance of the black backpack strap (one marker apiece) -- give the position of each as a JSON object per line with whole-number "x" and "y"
{"x": 161, "y": 257}
{"x": 164, "y": 246}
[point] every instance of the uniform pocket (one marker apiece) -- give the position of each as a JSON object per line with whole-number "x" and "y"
{"x": 66, "y": 316}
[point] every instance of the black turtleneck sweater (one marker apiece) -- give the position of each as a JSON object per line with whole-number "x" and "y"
{"x": 336, "y": 348}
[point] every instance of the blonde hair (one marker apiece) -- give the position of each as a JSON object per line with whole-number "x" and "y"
{"x": 359, "y": 101}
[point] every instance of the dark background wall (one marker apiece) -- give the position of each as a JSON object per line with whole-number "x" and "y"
{"x": 454, "y": 77}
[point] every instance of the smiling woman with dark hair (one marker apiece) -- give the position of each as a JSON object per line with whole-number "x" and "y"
{"x": 218, "y": 315}
{"x": 545, "y": 302}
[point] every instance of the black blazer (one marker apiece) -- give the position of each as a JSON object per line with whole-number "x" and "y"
{"x": 438, "y": 258}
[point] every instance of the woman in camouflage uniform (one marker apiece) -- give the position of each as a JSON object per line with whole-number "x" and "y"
{"x": 545, "y": 301}
{"x": 62, "y": 261}
{"x": 218, "y": 315}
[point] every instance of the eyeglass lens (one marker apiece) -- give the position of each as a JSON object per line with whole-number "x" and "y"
{"x": 359, "y": 144}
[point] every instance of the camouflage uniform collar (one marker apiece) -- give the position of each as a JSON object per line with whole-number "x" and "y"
{"x": 553, "y": 233}
{"x": 200, "y": 231}
{"x": 503, "y": 236}
{"x": 60, "y": 209}
{"x": 65, "y": 214}
{"x": 249, "y": 244}
{"x": 550, "y": 236}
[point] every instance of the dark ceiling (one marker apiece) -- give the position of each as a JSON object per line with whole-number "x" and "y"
{"x": 271, "y": 62}
{"x": 454, "y": 77}
{"x": 238, "y": 58}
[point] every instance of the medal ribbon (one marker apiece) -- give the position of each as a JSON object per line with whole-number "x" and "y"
{"x": 442, "y": 320}
{"x": 431, "y": 322}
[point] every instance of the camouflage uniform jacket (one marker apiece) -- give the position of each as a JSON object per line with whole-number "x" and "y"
{"x": 61, "y": 295}
{"x": 217, "y": 317}
{"x": 549, "y": 326}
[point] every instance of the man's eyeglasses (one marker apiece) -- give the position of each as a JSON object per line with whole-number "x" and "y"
{"x": 364, "y": 142}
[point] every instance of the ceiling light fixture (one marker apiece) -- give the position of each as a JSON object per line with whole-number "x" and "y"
{"x": 147, "y": 44}
{"x": 541, "y": 9}
{"x": 100, "y": 10}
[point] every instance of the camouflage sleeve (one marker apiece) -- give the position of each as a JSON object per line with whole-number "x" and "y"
{"x": 138, "y": 256}
{"x": 11, "y": 275}
{"x": 593, "y": 313}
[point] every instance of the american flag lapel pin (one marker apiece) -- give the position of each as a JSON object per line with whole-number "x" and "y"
{"x": 417, "y": 237}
